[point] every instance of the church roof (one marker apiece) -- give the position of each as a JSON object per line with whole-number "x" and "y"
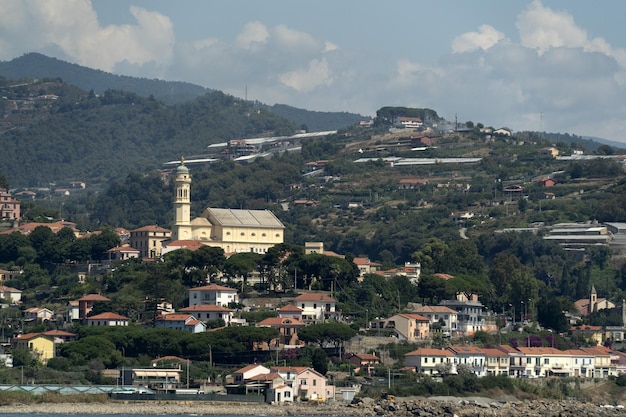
{"x": 250, "y": 218}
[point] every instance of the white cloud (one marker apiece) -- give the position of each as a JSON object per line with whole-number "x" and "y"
{"x": 485, "y": 38}
{"x": 306, "y": 80}
{"x": 72, "y": 27}
{"x": 252, "y": 34}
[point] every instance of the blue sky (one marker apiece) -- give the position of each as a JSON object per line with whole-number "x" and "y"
{"x": 558, "y": 66}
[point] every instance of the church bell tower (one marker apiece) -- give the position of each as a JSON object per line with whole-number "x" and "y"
{"x": 182, "y": 204}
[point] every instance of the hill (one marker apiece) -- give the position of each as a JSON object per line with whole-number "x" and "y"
{"x": 37, "y": 66}
{"x": 54, "y": 132}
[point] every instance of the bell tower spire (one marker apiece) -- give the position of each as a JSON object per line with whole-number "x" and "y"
{"x": 182, "y": 203}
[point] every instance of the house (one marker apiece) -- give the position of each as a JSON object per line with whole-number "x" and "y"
{"x": 149, "y": 240}
{"x": 496, "y": 362}
{"x": 549, "y": 153}
{"x": 38, "y": 314}
{"x": 365, "y": 266}
{"x": 429, "y": 361}
{"x": 546, "y": 182}
{"x": 545, "y": 361}
{"x": 60, "y": 336}
{"x": 290, "y": 312}
{"x": 40, "y": 345}
{"x": 313, "y": 386}
{"x": 471, "y": 357}
{"x": 9, "y": 206}
{"x": 213, "y": 294}
{"x": 122, "y": 253}
{"x": 276, "y": 391}
{"x": 316, "y": 307}
{"x": 247, "y": 372}
{"x": 586, "y": 306}
{"x": 287, "y": 329}
{"x": 591, "y": 334}
{"x": 12, "y": 295}
{"x": 206, "y": 312}
{"x": 409, "y": 122}
{"x": 8, "y": 275}
{"x": 158, "y": 379}
{"x": 107, "y": 319}
{"x": 408, "y": 327}
{"x": 410, "y": 270}
{"x": 503, "y": 131}
{"x": 470, "y": 317}
{"x": 181, "y": 322}
{"x": 441, "y": 318}
{"x": 86, "y": 303}
{"x": 364, "y": 361}
{"x": 191, "y": 245}
{"x": 412, "y": 183}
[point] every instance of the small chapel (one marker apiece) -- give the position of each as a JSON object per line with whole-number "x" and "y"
{"x": 233, "y": 230}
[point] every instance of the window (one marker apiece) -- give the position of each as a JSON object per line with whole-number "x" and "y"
{"x": 303, "y": 381}
{"x": 315, "y": 382}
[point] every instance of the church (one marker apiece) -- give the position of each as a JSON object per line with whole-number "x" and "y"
{"x": 230, "y": 229}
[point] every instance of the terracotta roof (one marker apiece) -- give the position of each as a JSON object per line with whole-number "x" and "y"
{"x": 108, "y": 316}
{"x": 366, "y": 357}
{"x": 280, "y": 321}
{"x": 444, "y": 276}
{"x": 93, "y": 297}
{"x": 176, "y": 317}
{"x": 123, "y": 249}
{"x": 213, "y": 287}
{"x": 465, "y": 350}
{"x": 59, "y": 333}
{"x": 152, "y": 228}
{"x": 290, "y": 308}
{"x": 314, "y": 297}
{"x": 247, "y": 368}
{"x": 29, "y": 336}
{"x": 414, "y": 317}
{"x": 430, "y": 352}
{"x": 185, "y": 244}
{"x": 434, "y": 309}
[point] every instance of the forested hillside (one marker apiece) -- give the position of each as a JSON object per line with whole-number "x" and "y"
{"x": 97, "y": 138}
{"x": 38, "y": 66}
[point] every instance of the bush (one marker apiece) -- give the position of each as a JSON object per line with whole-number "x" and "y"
{"x": 620, "y": 381}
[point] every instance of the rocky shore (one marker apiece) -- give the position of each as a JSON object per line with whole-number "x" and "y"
{"x": 405, "y": 407}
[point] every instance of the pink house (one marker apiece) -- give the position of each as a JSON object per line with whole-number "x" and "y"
{"x": 9, "y": 206}
{"x": 311, "y": 385}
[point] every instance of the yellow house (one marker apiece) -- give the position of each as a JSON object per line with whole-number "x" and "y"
{"x": 230, "y": 229}
{"x": 40, "y": 345}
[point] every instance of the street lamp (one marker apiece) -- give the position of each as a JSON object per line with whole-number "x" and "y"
{"x": 513, "y": 307}
{"x": 522, "y": 311}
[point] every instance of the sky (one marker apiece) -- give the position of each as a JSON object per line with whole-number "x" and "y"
{"x": 555, "y": 66}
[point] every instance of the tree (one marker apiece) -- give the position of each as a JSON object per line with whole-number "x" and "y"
{"x": 322, "y": 333}
{"x": 319, "y": 361}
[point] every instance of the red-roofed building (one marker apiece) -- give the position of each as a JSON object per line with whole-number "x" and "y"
{"x": 207, "y": 312}
{"x": 122, "y": 253}
{"x": 408, "y": 327}
{"x": 290, "y": 311}
{"x": 9, "y": 206}
{"x": 213, "y": 294}
{"x": 149, "y": 240}
{"x": 185, "y": 322}
{"x": 86, "y": 303}
{"x": 427, "y": 361}
{"x": 287, "y": 329}
{"x": 365, "y": 266}
{"x": 107, "y": 319}
{"x": 316, "y": 307}
{"x": 364, "y": 361}
{"x": 191, "y": 245}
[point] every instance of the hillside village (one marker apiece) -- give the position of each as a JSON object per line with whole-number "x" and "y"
{"x": 439, "y": 329}
{"x": 402, "y": 248}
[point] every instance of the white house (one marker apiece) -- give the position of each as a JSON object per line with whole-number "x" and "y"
{"x": 213, "y": 294}
{"x": 206, "y": 312}
{"x": 13, "y": 295}
{"x": 181, "y": 322}
{"x": 316, "y": 306}
{"x": 38, "y": 314}
{"x": 107, "y": 319}
{"x": 472, "y": 357}
{"x": 427, "y": 361}
{"x": 248, "y": 372}
{"x": 442, "y": 315}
